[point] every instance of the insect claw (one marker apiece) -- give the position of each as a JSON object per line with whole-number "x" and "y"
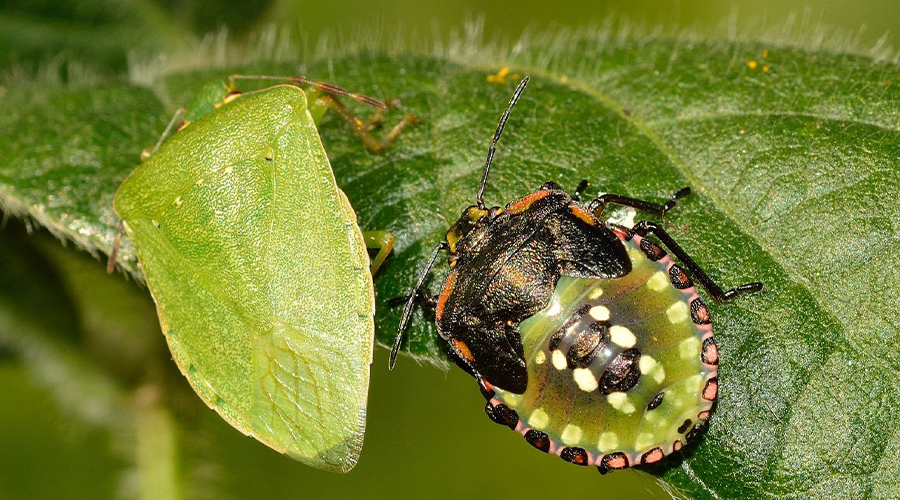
{"x": 681, "y": 193}
{"x": 755, "y": 286}
{"x": 398, "y": 301}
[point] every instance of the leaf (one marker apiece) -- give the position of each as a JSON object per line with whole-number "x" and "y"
{"x": 61, "y": 31}
{"x": 37, "y": 445}
{"x": 88, "y": 342}
{"x": 791, "y": 153}
{"x": 69, "y": 148}
{"x": 37, "y": 319}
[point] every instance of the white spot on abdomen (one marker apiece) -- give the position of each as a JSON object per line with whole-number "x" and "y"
{"x": 622, "y": 336}
{"x": 677, "y": 312}
{"x": 599, "y": 313}
{"x": 571, "y": 435}
{"x": 585, "y": 379}
{"x": 559, "y": 360}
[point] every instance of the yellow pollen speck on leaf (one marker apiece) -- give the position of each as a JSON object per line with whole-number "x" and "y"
{"x": 501, "y": 76}
{"x": 571, "y": 435}
{"x": 559, "y": 360}
{"x": 752, "y": 64}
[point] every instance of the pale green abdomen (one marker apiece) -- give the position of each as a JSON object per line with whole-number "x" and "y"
{"x": 620, "y": 371}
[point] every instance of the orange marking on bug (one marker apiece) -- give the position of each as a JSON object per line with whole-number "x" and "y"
{"x": 711, "y": 390}
{"x": 617, "y": 462}
{"x": 463, "y": 350}
{"x": 582, "y": 214}
{"x": 711, "y": 353}
{"x": 703, "y": 313}
{"x": 677, "y": 445}
{"x": 619, "y": 231}
{"x": 183, "y": 125}
{"x": 445, "y": 294}
{"x": 523, "y": 203}
{"x": 653, "y": 456}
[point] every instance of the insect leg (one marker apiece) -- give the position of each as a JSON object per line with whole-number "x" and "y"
{"x": 644, "y": 227}
{"x": 576, "y": 195}
{"x": 302, "y": 80}
{"x": 598, "y": 204}
{"x": 111, "y": 263}
{"x": 425, "y": 300}
{"x": 383, "y": 241}
{"x": 407, "y": 309}
{"x": 361, "y": 129}
{"x": 165, "y": 135}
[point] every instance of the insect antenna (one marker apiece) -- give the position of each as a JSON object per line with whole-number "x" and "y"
{"x": 407, "y": 309}
{"x": 493, "y": 148}
{"x": 325, "y": 87}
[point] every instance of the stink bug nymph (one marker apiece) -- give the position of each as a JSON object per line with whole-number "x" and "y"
{"x": 585, "y": 337}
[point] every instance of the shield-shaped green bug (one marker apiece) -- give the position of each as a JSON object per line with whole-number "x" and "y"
{"x": 259, "y": 271}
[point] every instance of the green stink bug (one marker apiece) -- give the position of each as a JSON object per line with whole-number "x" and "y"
{"x": 258, "y": 268}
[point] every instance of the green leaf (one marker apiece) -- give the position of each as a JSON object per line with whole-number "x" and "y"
{"x": 791, "y": 153}
{"x": 38, "y": 322}
{"x": 102, "y": 32}
{"x": 38, "y": 444}
{"x": 67, "y": 149}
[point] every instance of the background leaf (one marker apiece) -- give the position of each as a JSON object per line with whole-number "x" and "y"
{"x": 791, "y": 153}
{"x": 36, "y": 32}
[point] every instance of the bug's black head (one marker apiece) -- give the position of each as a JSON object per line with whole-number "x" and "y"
{"x": 472, "y": 217}
{"x": 475, "y": 214}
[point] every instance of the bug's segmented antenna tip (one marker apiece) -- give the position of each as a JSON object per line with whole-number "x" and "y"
{"x": 479, "y": 198}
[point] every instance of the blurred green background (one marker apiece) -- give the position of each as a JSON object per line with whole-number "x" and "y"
{"x": 427, "y": 434}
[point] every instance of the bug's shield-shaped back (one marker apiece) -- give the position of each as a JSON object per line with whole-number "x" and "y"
{"x": 260, "y": 275}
